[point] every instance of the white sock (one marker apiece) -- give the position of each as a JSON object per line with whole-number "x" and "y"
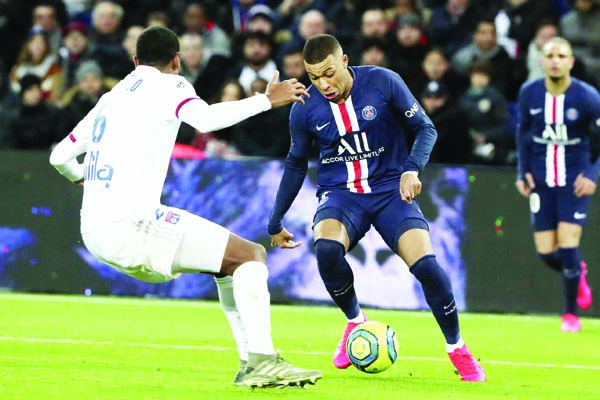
{"x": 451, "y": 347}
{"x": 359, "y": 319}
{"x": 253, "y": 302}
{"x": 225, "y": 289}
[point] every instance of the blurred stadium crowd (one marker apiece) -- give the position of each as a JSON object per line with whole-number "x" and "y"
{"x": 464, "y": 61}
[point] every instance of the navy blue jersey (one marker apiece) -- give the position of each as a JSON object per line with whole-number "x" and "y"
{"x": 553, "y": 134}
{"x": 362, "y": 141}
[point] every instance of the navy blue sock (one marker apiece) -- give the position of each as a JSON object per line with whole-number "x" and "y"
{"x": 552, "y": 260}
{"x": 572, "y": 270}
{"x": 439, "y": 296}
{"x": 337, "y": 275}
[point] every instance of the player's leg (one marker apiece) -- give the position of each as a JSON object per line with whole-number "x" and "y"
{"x": 210, "y": 248}
{"x": 227, "y": 300}
{"x": 572, "y": 214}
{"x": 246, "y": 262}
{"x": 569, "y": 235}
{"x": 331, "y": 244}
{"x": 414, "y": 246}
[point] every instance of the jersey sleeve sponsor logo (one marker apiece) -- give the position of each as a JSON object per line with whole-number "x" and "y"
{"x": 412, "y": 111}
{"x": 369, "y": 112}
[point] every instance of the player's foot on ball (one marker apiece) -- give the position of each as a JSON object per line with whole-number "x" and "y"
{"x": 584, "y": 294}
{"x": 239, "y": 377}
{"x": 570, "y": 323}
{"x": 468, "y": 367}
{"x": 273, "y": 371}
{"x": 340, "y": 356}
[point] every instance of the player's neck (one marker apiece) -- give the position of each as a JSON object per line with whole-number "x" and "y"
{"x": 558, "y": 86}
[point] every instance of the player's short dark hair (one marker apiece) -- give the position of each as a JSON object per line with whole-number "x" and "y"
{"x": 319, "y": 47}
{"x": 156, "y": 46}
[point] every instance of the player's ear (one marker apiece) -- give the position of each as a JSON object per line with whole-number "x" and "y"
{"x": 136, "y": 61}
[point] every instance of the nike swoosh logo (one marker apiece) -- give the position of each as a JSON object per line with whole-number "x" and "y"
{"x": 535, "y": 111}
{"x": 579, "y": 215}
{"x": 320, "y": 127}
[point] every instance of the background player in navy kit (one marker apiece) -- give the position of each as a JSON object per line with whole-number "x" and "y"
{"x": 557, "y": 115}
{"x": 359, "y": 115}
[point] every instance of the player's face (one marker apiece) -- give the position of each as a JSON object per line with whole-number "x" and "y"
{"x": 331, "y": 77}
{"x": 558, "y": 60}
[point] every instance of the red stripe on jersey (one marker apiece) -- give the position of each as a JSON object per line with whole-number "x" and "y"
{"x": 72, "y": 137}
{"x": 555, "y": 155}
{"x": 358, "y": 177}
{"x": 345, "y": 117}
{"x": 183, "y": 103}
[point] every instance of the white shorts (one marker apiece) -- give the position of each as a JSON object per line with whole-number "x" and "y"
{"x": 158, "y": 247}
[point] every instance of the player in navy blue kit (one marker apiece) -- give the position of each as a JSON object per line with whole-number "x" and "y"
{"x": 366, "y": 177}
{"x": 557, "y": 115}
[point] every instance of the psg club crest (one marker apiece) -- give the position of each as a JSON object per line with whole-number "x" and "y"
{"x": 369, "y": 113}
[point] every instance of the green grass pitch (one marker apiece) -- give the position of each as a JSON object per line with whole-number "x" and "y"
{"x": 75, "y": 347}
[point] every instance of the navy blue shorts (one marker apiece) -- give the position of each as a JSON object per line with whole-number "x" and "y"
{"x": 549, "y": 206}
{"x": 386, "y": 212}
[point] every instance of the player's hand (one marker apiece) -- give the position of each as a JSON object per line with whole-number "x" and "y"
{"x": 583, "y": 186}
{"x": 410, "y": 187}
{"x": 284, "y": 240}
{"x": 285, "y": 92}
{"x": 526, "y": 185}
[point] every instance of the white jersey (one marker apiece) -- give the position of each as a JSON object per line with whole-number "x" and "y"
{"x": 128, "y": 138}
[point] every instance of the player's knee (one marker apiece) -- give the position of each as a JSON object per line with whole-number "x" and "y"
{"x": 571, "y": 261}
{"x": 330, "y": 256}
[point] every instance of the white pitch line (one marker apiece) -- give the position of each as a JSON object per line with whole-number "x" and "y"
{"x": 216, "y": 348}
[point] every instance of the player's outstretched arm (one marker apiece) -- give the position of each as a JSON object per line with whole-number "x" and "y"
{"x": 286, "y": 92}
{"x": 284, "y": 240}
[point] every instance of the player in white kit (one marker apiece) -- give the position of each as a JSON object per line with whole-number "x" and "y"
{"x": 127, "y": 139}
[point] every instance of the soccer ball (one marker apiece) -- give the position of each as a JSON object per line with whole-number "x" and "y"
{"x": 372, "y": 347}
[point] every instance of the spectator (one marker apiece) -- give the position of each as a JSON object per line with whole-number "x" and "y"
{"x": 581, "y": 27}
{"x": 36, "y": 58}
{"x": 408, "y": 50}
{"x": 374, "y": 24}
{"x": 436, "y": 68}
{"x": 242, "y": 12}
{"x": 289, "y": 12}
{"x": 487, "y": 114}
{"x": 343, "y": 18}
{"x": 293, "y": 66}
{"x": 311, "y": 23}
{"x": 451, "y": 26}
{"x": 195, "y": 20}
{"x": 373, "y": 53}
{"x": 35, "y": 125}
{"x": 201, "y": 67}
{"x": 258, "y": 19}
{"x": 219, "y": 144}
{"x": 74, "y": 51}
{"x": 106, "y": 37}
{"x": 524, "y": 16}
{"x": 266, "y": 135}
{"x": 159, "y": 18}
{"x": 453, "y": 144}
{"x": 546, "y": 31}
{"x": 45, "y": 18}
{"x": 508, "y": 73}
{"x": 257, "y": 61}
{"x": 81, "y": 98}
